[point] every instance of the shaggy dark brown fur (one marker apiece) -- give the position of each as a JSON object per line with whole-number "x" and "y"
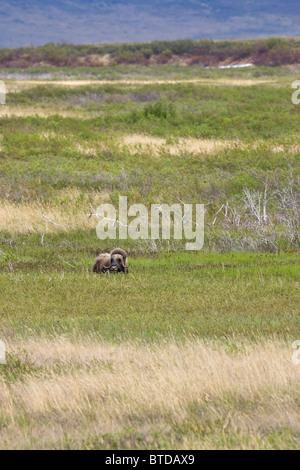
{"x": 113, "y": 262}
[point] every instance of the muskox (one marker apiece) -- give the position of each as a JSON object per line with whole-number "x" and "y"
{"x": 113, "y": 262}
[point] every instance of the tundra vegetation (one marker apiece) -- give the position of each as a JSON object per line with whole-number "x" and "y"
{"x": 190, "y": 349}
{"x": 272, "y": 52}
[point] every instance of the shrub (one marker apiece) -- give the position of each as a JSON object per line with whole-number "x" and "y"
{"x": 159, "y": 110}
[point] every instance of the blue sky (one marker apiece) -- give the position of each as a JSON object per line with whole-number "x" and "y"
{"x": 25, "y": 22}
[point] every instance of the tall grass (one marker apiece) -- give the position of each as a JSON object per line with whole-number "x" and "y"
{"x": 90, "y": 394}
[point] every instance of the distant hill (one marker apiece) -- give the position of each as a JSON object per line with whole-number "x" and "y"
{"x": 26, "y": 22}
{"x": 270, "y": 52}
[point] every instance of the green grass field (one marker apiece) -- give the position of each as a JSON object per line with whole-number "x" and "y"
{"x": 190, "y": 349}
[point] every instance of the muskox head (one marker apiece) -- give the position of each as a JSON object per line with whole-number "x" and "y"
{"x": 113, "y": 262}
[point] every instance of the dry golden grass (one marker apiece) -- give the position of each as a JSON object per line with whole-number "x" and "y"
{"x": 24, "y": 111}
{"x": 156, "y": 145}
{"x": 72, "y": 213}
{"x": 15, "y": 86}
{"x": 24, "y": 218}
{"x": 283, "y": 148}
{"x": 152, "y": 146}
{"x": 91, "y": 387}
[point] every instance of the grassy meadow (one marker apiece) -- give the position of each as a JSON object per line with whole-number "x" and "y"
{"x": 190, "y": 350}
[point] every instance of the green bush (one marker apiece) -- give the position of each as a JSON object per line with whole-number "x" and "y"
{"x": 160, "y": 110}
